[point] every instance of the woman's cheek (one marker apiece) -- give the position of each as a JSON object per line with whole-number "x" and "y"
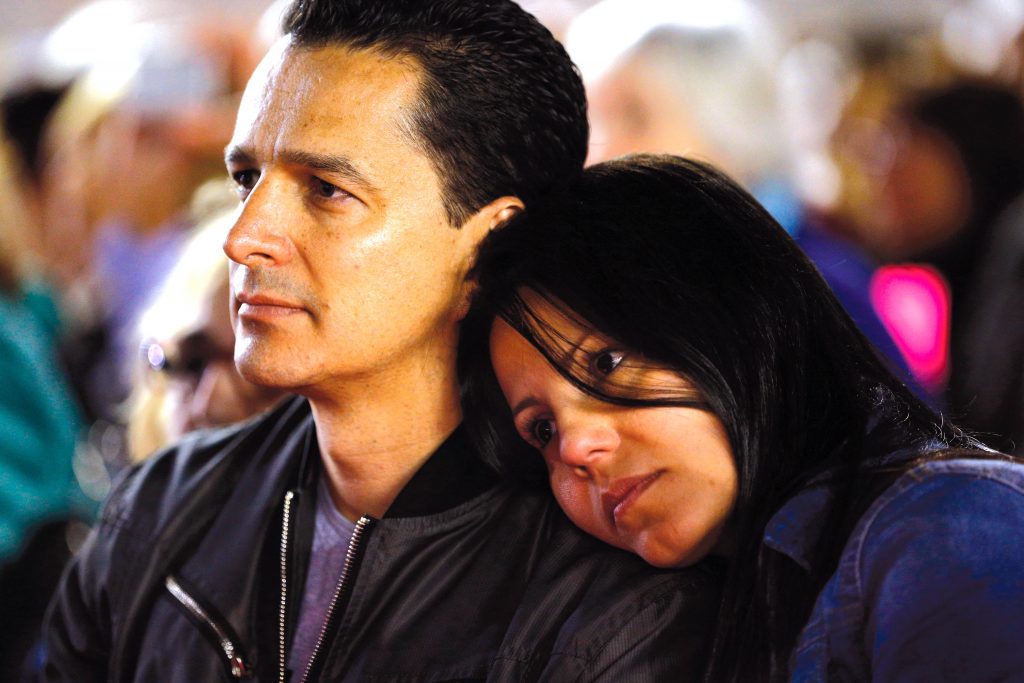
{"x": 576, "y": 498}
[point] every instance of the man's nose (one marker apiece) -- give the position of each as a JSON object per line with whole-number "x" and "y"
{"x": 259, "y": 235}
{"x": 585, "y": 443}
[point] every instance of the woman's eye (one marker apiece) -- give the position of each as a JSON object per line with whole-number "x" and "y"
{"x": 542, "y": 431}
{"x": 604, "y": 362}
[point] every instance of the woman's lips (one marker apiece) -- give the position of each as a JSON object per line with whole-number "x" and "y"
{"x": 622, "y": 493}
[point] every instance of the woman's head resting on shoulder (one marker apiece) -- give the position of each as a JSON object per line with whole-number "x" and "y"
{"x": 677, "y": 361}
{"x": 618, "y": 471}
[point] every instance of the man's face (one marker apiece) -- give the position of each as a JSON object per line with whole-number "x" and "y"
{"x": 344, "y": 266}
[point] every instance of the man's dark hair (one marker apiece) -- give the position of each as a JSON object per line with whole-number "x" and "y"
{"x": 502, "y": 108}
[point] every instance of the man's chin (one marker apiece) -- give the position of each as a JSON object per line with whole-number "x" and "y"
{"x": 270, "y": 375}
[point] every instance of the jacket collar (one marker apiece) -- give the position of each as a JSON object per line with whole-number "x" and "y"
{"x": 799, "y": 525}
{"x": 452, "y": 475}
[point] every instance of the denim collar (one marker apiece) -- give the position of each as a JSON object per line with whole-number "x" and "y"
{"x": 797, "y": 527}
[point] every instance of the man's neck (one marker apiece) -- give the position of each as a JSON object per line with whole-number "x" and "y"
{"x": 375, "y": 438}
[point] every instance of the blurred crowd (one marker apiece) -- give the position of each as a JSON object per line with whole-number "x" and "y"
{"x": 893, "y": 152}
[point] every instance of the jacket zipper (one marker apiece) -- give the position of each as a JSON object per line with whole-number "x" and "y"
{"x": 354, "y": 546}
{"x": 343, "y": 583}
{"x": 282, "y": 613}
{"x": 236, "y": 661}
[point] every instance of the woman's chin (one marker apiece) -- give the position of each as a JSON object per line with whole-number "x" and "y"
{"x": 667, "y": 555}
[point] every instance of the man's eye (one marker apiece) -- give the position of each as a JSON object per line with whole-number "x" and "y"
{"x": 245, "y": 181}
{"x": 542, "y": 432}
{"x": 603, "y": 363}
{"x": 326, "y": 190}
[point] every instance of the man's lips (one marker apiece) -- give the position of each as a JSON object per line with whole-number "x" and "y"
{"x": 622, "y": 492}
{"x": 264, "y": 305}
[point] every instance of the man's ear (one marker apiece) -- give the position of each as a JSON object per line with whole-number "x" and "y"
{"x": 510, "y": 209}
{"x": 493, "y": 216}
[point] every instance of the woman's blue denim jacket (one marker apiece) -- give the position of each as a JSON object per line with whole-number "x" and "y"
{"x": 930, "y": 584}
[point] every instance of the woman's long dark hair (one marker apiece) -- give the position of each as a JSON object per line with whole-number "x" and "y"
{"x": 673, "y": 260}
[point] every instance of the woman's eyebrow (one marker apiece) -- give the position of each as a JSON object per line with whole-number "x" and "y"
{"x": 527, "y": 402}
{"x": 567, "y": 355}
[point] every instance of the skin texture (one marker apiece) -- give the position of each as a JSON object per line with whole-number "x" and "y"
{"x": 347, "y": 280}
{"x": 660, "y": 482}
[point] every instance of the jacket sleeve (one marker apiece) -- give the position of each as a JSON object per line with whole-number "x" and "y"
{"x": 942, "y": 580}
{"x": 79, "y": 627}
{"x": 76, "y": 636}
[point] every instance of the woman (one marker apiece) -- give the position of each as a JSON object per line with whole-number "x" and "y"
{"x": 695, "y": 390}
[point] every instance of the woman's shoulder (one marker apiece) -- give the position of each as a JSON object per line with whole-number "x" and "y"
{"x": 968, "y": 480}
{"x": 934, "y": 572}
{"x": 948, "y": 496}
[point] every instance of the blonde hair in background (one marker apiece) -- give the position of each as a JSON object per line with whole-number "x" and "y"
{"x": 15, "y": 220}
{"x": 199, "y": 272}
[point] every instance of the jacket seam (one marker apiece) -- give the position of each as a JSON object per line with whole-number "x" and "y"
{"x": 659, "y": 597}
{"x": 908, "y": 481}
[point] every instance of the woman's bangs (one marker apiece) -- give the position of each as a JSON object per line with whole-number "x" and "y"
{"x": 637, "y": 381}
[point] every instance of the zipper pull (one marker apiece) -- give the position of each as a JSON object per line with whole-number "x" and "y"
{"x": 239, "y": 669}
{"x": 236, "y": 662}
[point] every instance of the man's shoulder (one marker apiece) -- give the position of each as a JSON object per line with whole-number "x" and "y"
{"x": 612, "y": 576}
{"x": 569, "y": 551}
{"x": 611, "y": 592}
{"x": 147, "y": 495}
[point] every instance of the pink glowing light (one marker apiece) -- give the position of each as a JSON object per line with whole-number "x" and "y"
{"x": 913, "y": 302}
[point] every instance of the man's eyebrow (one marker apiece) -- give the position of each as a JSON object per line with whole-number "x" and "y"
{"x": 238, "y": 156}
{"x": 331, "y": 163}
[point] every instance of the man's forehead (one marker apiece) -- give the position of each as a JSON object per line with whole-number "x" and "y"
{"x": 304, "y": 69}
{"x": 319, "y": 87}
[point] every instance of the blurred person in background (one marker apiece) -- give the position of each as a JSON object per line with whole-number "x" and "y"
{"x": 125, "y": 151}
{"x": 39, "y": 424}
{"x": 188, "y": 378}
{"x": 708, "y": 93}
{"x": 951, "y": 193}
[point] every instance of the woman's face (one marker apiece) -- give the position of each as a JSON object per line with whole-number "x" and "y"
{"x": 660, "y": 481}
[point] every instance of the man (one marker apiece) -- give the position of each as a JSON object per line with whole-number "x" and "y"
{"x": 354, "y": 535}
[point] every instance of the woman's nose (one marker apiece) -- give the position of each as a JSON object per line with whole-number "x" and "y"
{"x": 585, "y": 444}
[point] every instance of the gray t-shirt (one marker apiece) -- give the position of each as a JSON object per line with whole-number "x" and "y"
{"x": 330, "y": 542}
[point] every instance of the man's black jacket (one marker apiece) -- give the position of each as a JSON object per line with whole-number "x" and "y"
{"x": 464, "y": 579}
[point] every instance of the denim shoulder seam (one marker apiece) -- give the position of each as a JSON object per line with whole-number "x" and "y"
{"x": 908, "y": 480}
